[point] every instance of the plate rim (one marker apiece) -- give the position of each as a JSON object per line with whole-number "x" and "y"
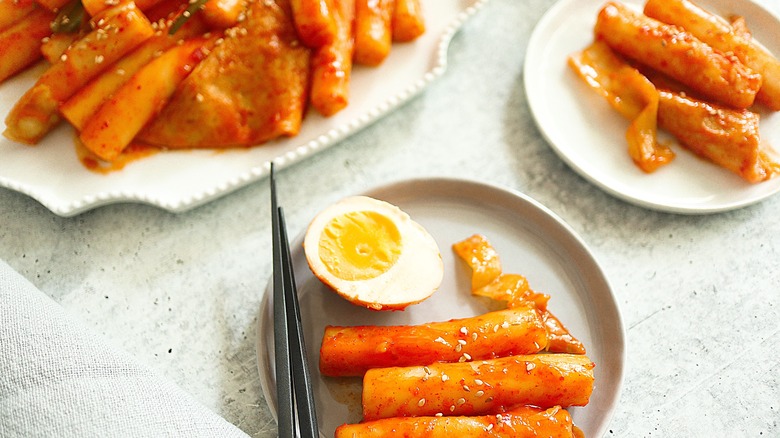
{"x": 532, "y": 90}
{"x": 264, "y": 360}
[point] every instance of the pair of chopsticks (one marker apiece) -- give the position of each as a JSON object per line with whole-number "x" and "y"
{"x": 295, "y": 399}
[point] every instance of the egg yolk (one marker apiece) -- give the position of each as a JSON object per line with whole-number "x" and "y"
{"x": 359, "y": 245}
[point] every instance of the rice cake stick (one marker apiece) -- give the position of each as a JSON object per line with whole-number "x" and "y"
{"x": 118, "y": 32}
{"x": 478, "y": 387}
{"x": 719, "y": 34}
{"x": 679, "y": 54}
{"x": 351, "y": 351}
{"x": 520, "y": 422}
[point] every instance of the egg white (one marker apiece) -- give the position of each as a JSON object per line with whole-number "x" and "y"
{"x": 415, "y": 276}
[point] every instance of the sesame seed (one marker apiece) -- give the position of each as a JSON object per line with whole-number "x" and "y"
{"x": 489, "y": 399}
{"x": 421, "y": 402}
{"x": 99, "y": 59}
{"x": 464, "y": 330}
{"x": 459, "y": 347}
{"x": 452, "y": 408}
{"x": 466, "y": 388}
{"x": 467, "y": 356}
{"x": 489, "y": 427}
{"x": 462, "y": 341}
{"x": 480, "y": 393}
{"x": 439, "y": 414}
{"x": 505, "y": 325}
{"x": 529, "y": 366}
{"x": 445, "y": 377}
{"x": 495, "y": 328}
{"x": 427, "y": 370}
{"x": 64, "y": 57}
{"x": 461, "y": 401}
{"x": 478, "y": 382}
{"x": 474, "y": 336}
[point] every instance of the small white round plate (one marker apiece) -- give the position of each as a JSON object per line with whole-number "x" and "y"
{"x": 531, "y": 241}
{"x": 180, "y": 180}
{"x": 590, "y": 136}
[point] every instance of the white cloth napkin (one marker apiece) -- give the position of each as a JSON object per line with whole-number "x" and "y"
{"x": 57, "y": 379}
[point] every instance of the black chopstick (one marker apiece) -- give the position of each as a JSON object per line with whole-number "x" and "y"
{"x": 295, "y": 399}
{"x": 304, "y": 396}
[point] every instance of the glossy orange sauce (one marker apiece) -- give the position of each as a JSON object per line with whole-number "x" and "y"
{"x": 131, "y": 153}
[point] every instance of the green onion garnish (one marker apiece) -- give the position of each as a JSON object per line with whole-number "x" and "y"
{"x": 69, "y": 19}
{"x": 193, "y": 7}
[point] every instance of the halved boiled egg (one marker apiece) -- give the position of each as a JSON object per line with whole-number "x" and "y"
{"x": 373, "y": 254}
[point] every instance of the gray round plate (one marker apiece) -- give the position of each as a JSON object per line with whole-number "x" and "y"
{"x": 531, "y": 241}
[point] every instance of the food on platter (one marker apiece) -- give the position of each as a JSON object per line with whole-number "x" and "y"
{"x": 80, "y": 107}
{"x": 20, "y": 42}
{"x": 722, "y": 36}
{"x": 351, "y": 351}
{"x": 373, "y": 254}
{"x": 248, "y": 90}
{"x": 94, "y": 7}
{"x": 331, "y": 63}
{"x": 407, "y": 22}
{"x": 479, "y": 387}
{"x": 122, "y": 116}
{"x": 520, "y": 422}
{"x": 116, "y": 32}
{"x": 658, "y": 74}
{"x": 373, "y": 30}
{"x": 223, "y": 13}
{"x": 53, "y": 46}
{"x": 52, "y": 5}
{"x": 314, "y": 21}
{"x": 465, "y": 375}
{"x": 265, "y": 64}
{"x": 13, "y": 11}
